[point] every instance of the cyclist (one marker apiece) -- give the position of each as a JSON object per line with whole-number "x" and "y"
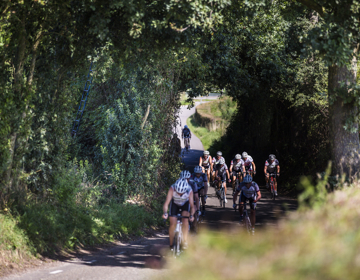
{"x": 205, "y": 162}
{"x": 186, "y": 135}
{"x": 221, "y": 173}
{"x": 187, "y": 175}
{"x": 236, "y": 166}
{"x": 180, "y": 198}
{"x": 250, "y": 167}
{"x": 215, "y": 162}
{"x": 272, "y": 166}
{"x": 249, "y": 191}
{"x": 201, "y": 180}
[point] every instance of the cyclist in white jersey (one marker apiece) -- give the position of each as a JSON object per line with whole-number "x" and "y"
{"x": 215, "y": 163}
{"x": 236, "y": 166}
{"x": 249, "y": 164}
{"x": 221, "y": 173}
{"x": 180, "y": 197}
{"x": 272, "y": 165}
{"x": 249, "y": 191}
{"x": 205, "y": 162}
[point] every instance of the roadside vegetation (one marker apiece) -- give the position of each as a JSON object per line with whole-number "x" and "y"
{"x": 320, "y": 242}
{"x": 211, "y": 119}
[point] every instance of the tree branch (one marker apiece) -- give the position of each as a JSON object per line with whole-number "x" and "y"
{"x": 313, "y": 5}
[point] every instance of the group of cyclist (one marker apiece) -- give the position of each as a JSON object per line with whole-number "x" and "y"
{"x": 183, "y": 196}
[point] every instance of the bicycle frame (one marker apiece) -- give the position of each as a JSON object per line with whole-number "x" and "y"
{"x": 272, "y": 185}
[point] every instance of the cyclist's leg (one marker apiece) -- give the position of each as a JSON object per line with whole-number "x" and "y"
{"x": 275, "y": 184}
{"x": 185, "y": 225}
{"x": 252, "y": 212}
{"x": 173, "y": 221}
{"x": 224, "y": 184}
{"x": 202, "y": 191}
{"x": 242, "y": 199}
{"x": 233, "y": 181}
{"x": 197, "y": 201}
{"x": 173, "y": 209}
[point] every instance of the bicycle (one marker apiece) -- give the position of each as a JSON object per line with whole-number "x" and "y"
{"x": 246, "y": 219}
{"x": 272, "y": 185}
{"x": 220, "y": 192}
{"x": 178, "y": 237}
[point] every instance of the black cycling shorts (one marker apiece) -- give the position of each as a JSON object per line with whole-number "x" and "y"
{"x": 175, "y": 209}
{"x": 243, "y": 199}
{"x": 222, "y": 177}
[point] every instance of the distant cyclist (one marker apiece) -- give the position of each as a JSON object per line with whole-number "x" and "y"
{"x": 215, "y": 162}
{"x": 205, "y": 162}
{"x": 186, "y": 135}
{"x": 221, "y": 173}
{"x": 236, "y": 166}
{"x": 249, "y": 164}
{"x": 249, "y": 191}
{"x": 201, "y": 180}
{"x": 272, "y": 166}
{"x": 180, "y": 197}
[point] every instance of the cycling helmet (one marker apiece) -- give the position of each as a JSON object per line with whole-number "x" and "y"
{"x": 222, "y": 161}
{"x": 206, "y": 153}
{"x": 185, "y": 174}
{"x": 245, "y": 155}
{"x": 238, "y": 156}
{"x": 247, "y": 179}
{"x": 198, "y": 169}
{"x": 181, "y": 185}
{"x": 219, "y": 153}
{"x": 272, "y": 157}
{"x": 185, "y": 126}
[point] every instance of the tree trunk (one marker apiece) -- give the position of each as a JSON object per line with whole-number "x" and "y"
{"x": 344, "y": 141}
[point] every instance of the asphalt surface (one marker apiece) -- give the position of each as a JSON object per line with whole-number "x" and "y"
{"x": 143, "y": 259}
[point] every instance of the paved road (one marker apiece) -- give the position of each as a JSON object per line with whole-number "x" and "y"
{"x": 142, "y": 259}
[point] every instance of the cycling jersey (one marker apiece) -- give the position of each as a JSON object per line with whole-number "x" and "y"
{"x": 186, "y": 133}
{"x": 248, "y": 192}
{"x": 237, "y": 166}
{"x": 271, "y": 167}
{"x": 216, "y": 163}
{"x": 193, "y": 185}
{"x": 199, "y": 181}
{"x": 205, "y": 162}
{"x": 222, "y": 169}
{"x": 181, "y": 200}
{"x": 248, "y": 163}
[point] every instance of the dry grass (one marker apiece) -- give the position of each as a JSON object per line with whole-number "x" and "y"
{"x": 323, "y": 243}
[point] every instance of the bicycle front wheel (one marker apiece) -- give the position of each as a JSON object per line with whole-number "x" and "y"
{"x": 248, "y": 224}
{"x": 223, "y": 197}
{"x": 176, "y": 246}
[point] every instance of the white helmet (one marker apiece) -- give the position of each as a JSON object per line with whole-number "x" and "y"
{"x": 238, "y": 156}
{"x": 206, "y": 153}
{"x": 245, "y": 155}
{"x": 219, "y": 153}
{"x": 185, "y": 174}
{"x": 272, "y": 157}
{"x": 222, "y": 161}
{"x": 247, "y": 179}
{"x": 181, "y": 185}
{"x": 198, "y": 169}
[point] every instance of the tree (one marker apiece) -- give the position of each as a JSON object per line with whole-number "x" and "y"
{"x": 338, "y": 41}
